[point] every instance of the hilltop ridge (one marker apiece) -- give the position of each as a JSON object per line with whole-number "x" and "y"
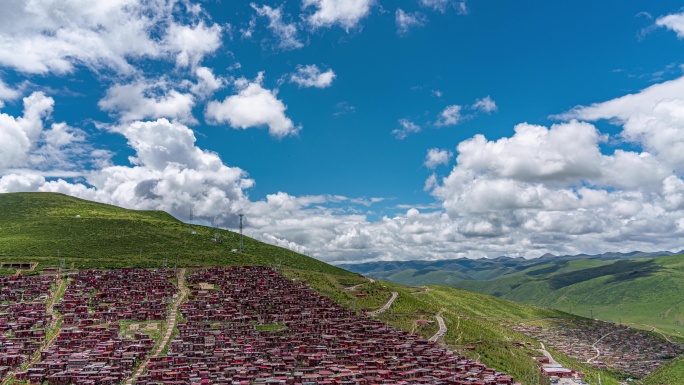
{"x": 47, "y": 227}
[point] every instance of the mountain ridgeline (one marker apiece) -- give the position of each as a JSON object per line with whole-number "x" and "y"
{"x": 49, "y": 227}
{"x": 632, "y": 288}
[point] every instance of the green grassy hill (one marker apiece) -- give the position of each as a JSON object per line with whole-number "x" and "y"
{"x": 428, "y": 276}
{"x": 44, "y": 227}
{"x": 644, "y": 292}
{"x": 670, "y": 374}
{"x": 443, "y": 272}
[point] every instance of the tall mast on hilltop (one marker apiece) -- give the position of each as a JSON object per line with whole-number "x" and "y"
{"x": 192, "y": 216}
{"x": 242, "y": 249}
{"x": 217, "y": 233}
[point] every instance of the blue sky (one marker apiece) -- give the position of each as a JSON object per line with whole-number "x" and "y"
{"x": 359, "y": 130}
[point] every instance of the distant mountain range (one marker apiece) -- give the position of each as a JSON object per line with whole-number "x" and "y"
{"x": 636, "y": 287}
{"x": 450, "y": 271}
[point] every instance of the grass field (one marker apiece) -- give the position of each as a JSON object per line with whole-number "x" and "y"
{"x": 670, "y": 374}
{"x": 643, "y": 293}
{"x": 47, "y": 227}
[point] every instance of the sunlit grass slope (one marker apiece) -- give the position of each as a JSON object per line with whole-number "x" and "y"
{"x": 638, "y": 292}
{"x": 44, "y": 227}
{"x": 670, "y": 374}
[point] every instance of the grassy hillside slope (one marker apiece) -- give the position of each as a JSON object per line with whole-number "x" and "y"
{"x": 422, "y": 277}
{"x": 472, "y": 319}
{"x": 670, "y": 374}
{"x": 645, "y": 292}
{"x": 41, "y": 227}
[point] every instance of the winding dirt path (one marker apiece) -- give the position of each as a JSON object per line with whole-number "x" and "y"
{"x": 442, "y": 329}
{"x": 598, "y": 351}
{"x": 51, "y": 305}
{"x": 547, "y": 354}
{"x": 458, "y": 327}
{"x": 170, "y": 324}
{"x": 49, "y": 309}
{"x": 655, "y": 330}
{"x": 352, "y": 288}
{"x": 385, "y": 307}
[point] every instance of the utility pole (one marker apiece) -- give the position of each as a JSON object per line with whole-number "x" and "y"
{"x": 242, "y": 248}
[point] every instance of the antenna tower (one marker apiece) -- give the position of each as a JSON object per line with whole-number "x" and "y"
{"x": 242, "y": 249}
{"x": 217, "y": 233}
{"x": 192, "y": 217}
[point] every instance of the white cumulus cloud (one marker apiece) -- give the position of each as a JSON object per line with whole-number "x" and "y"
{"x": 7, "y": 93}
{"x": 167, "y": 172}
{"x": 18, "y": 136}
{"x": 311, "y": 76}
{"x": 407, "y": 128}
{"x": 405, "y": 21}
{"x": 55, "y": 36}
{"x": 652, "y": 118}
{"x": 674, "y": 22}
{"x": 148, "y": 99}
{"x": 553, "y": 189}
{"x": 285, "y": 32}
{"x": 192, "y": 43}
{"x": 252, "y": 106}
{"x": 486, "y": 104}
{"x": 436, "y": 157}
{"x": 346, "y": 13}
{"x": 565, "y": 153}
{"x": 442, "y": 5}
{"x": 450, "y": 116}
{"x": 28, "y": 142}
{"x": 207, "y": 82}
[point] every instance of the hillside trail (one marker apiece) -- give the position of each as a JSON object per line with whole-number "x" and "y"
{"x": 385, "y": 307}
{"x": 598, "y": 351}
{"x": 427, "y": 289}
{"x": 655, "y": 330}
{"x": 47, "y": 344}
{"x": 51, "y": 305}
{"x": 442, "y": 328}
{"x": 352, "y": 288}
{"x": 458, "y": 327}
{"x": 547, "y": 354}
{"x": 170, "y": 324}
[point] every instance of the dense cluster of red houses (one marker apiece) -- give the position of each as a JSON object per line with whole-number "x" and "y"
{"x": 89, "y": 349}
{"x": 606, "y": 345}
{"x": 23, "y": 320}
{"x": 250, "y": 325}
{"x": 241, "y": 325}
{"x": 94, "y": 296}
